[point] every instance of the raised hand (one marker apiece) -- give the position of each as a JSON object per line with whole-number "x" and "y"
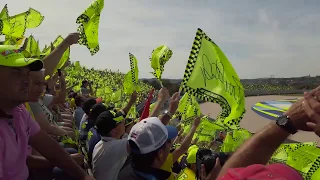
{"x": 134, "y": 96}
{"x": 197, "y": 121}
{"x": 311, "y": 107}
{"x": 163, "y": 94}
{"x": 174, "y": 102}
{"x": 303, "y": 112}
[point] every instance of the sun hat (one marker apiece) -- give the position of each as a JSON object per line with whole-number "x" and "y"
{"x": 12, "y": 56}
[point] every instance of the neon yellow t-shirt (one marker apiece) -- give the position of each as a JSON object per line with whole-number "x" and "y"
{"x": 186, "y": 174}
{"x": 167, "y": 166}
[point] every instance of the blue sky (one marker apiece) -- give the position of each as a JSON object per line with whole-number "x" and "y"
{"x": 260, "y": 38}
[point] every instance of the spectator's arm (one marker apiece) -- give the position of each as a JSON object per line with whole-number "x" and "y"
{"x": 43, "y": 122}
{"x": 162, "y": 97}
{"x": 61, "y": 97}
{"x": 178, "y": 138}
{"x": 131, "y": 102}
{"x": 260, "y": 147}
{"x": 51, "y": 61}
{"x": 52, "y": 81}
{"x": 38, "y": 162}
{"x": 66, "y": 64}
{"x": 157, "y": 108}
{"x": 172, "y": 108}
{"x": 53, "y": 152}
{"x": 186, "y": 142}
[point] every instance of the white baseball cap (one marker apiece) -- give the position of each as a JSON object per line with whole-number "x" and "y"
{"x": 150, "y": 134}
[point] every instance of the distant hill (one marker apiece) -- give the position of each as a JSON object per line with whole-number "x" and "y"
{"x": 293, "y": 83}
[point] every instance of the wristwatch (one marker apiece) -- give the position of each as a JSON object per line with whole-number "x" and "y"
{"x": 285, "y": 123}
{"x": 166, "y": 112}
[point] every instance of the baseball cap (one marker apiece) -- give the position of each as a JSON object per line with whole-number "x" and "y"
{"x": 192, "y": 154}
{"x": 107, "y": 121}
{"x": 258, "y": 171}
{"x": 150, "y": 134}
{"x": 88, "y": 104}
{"x": 12, "y": 56}
{"x": 96, "y": 110}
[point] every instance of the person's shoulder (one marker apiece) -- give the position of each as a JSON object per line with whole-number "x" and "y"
{"x": 35, "y": 104}
{"x": 94, "y": 131}
{"x": 119, "y": 142}
{"x": 98, "y": 148}
{"x": 128, "y": 173}
{"x": 20, "y": 109}
{"x": 78, "y": 110}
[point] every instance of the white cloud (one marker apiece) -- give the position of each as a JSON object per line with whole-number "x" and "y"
{"x": 260, "y": 39}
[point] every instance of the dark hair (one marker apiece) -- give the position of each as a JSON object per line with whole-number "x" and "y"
{"x": 208, "y": 158}
{"x": 97, "y": 109}
{"x": 209, "y": 162}
{"x": 142, "y": 162}
{"x": 79, "y": 100}
{"x": 105, "y": 122}
{"x": 73, "y": 95}
{"x": 87, "y": 105}
{"x": 84, "y": 82}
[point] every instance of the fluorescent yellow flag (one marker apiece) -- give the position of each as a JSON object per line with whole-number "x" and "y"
{"x": 305, "y": 159}
{"x": 77, "y": 66}
{"x": 4, "y": 12}
{"x": 132, "y": 113}
{"x": 210, "y": 76}
{"x": 130, "y": 83}
{"x": 32, "y": 47}
{"x": 13, "y": 40}
{"x": 183, "y": 104}
{"x": 34, "y": 18}
{"x": 89, "y": 26}
{"x": 65, "y": 57}
{"x": 16, "y": 25}
{"x": 151, "y": 107}
{"x": 159, "y": 57}
{"x": 134, "y": 69}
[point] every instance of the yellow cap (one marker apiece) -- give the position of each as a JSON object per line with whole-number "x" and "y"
{"x": 192, "y": 147}
{"x": 12, "y": 56}
{"x": 192, "y": 154}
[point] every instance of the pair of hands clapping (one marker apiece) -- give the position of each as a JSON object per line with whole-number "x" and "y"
{"x": 305, "y": 113}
